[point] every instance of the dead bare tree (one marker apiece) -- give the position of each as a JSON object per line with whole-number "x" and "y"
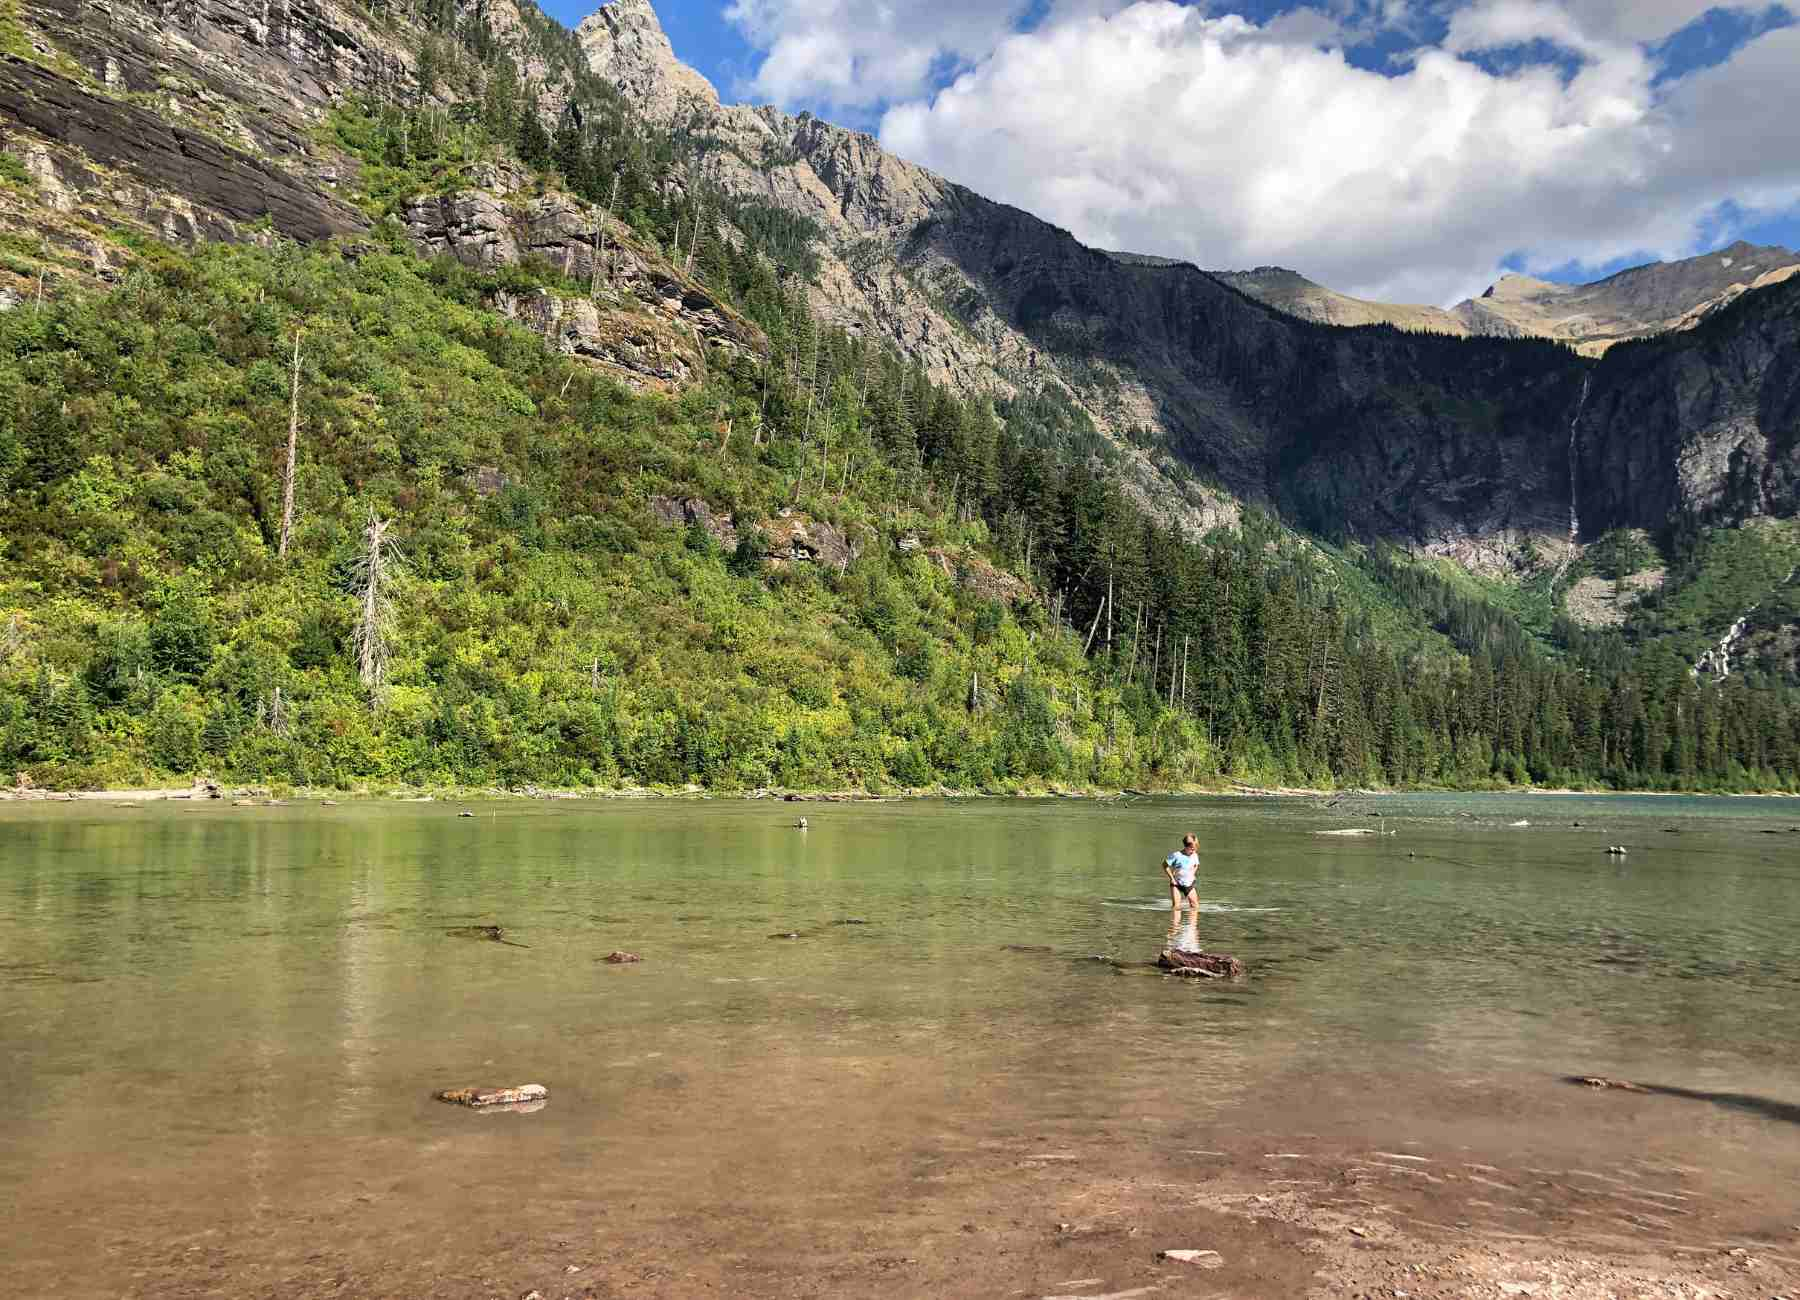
{"x": 293, "y": 449}
{"x": 272, "y": 712}
{"x": 594, "y": 271}
{"x": 600, "y": 241}
{"x": 1095, "y": 625}
{"x": 376, "y": 570}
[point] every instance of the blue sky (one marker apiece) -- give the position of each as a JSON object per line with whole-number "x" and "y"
{"x": 1406, "y": 149}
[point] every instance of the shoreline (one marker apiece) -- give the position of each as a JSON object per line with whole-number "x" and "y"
{"x": 206, "y": 791}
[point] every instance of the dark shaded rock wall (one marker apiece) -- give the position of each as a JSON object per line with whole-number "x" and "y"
{"x": 1705, "y": 423}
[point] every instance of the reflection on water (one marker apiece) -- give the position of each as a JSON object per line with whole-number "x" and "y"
{"x": 1184, "y": 932}
{"x": 260, "y": 1002}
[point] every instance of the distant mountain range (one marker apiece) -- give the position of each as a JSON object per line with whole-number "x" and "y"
{"x": 1635, "y": 303}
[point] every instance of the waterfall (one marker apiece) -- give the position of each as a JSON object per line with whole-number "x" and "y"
{"x": 1587, "y": 382}
{"x": 1716, "y": 662}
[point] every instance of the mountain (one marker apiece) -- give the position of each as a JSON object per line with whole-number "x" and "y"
{"x": 1456, "y": 445}
{"x": 1210, "y": 399}
{"x": 1636, "y": 303}
{"x": 1293, "y": 293}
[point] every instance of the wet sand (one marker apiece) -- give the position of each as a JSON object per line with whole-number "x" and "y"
{"x": 868, "y": 1177}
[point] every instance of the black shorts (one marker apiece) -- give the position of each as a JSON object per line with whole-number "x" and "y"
{"x": 1186, "y": 891}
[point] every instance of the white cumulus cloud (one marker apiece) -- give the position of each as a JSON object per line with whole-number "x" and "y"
{"x": 856, "y": 53}
{"x": 1160, "y": 128}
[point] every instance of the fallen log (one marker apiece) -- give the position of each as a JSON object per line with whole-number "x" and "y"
{"x": 1601, "y": 1081}
{"x": 1200, "y": 965}
{"x": 493, "y": 933}
{"x": 479, "y": 1097}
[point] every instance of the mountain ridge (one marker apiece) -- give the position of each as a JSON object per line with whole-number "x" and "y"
{"x": 1637, "y": 302}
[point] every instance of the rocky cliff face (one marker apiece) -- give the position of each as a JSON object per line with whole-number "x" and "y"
{"x": 205, "y": 127}
{"x": 625, "y": 44}
{"x": 195, "y": 123}
{"x": 1705, "y": 422}
{"x": 646, "y": 321}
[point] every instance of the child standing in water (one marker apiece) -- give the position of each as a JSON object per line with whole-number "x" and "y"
{"x": 1181, "y": 867}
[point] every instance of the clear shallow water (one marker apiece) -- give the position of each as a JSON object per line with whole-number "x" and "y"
{"x": 212, "y": 1017}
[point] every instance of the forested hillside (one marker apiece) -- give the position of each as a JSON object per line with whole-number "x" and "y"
{"x": 809, "y": 567}
{"x": 544, "y": 624}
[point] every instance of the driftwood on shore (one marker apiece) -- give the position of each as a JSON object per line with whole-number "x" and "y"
{"x": 1200, "y": 965}
{"x": 480, "y": 1097}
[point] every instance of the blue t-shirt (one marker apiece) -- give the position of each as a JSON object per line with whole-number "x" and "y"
{"x": 1184, "y": 865}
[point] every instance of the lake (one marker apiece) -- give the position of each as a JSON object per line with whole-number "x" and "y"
{"x": 220, "y": 1029}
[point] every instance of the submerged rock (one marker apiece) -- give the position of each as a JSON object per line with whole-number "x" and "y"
{"x": 622, "y": 958}
{"x": 1202, "y": 965}
{"x": 524, "y": 1093}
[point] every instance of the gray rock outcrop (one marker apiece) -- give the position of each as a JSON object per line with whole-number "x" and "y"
{"x": 650, "y": 323}
{"x": 625, "y": 43}
{"x": 789, "y": 538}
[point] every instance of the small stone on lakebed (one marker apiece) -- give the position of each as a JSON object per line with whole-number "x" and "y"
{"x": 1204, "y": 1258}
{"x": 622, "y": 958}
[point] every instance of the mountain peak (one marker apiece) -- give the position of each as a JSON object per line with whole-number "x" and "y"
{"x": 625, "y": 43}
